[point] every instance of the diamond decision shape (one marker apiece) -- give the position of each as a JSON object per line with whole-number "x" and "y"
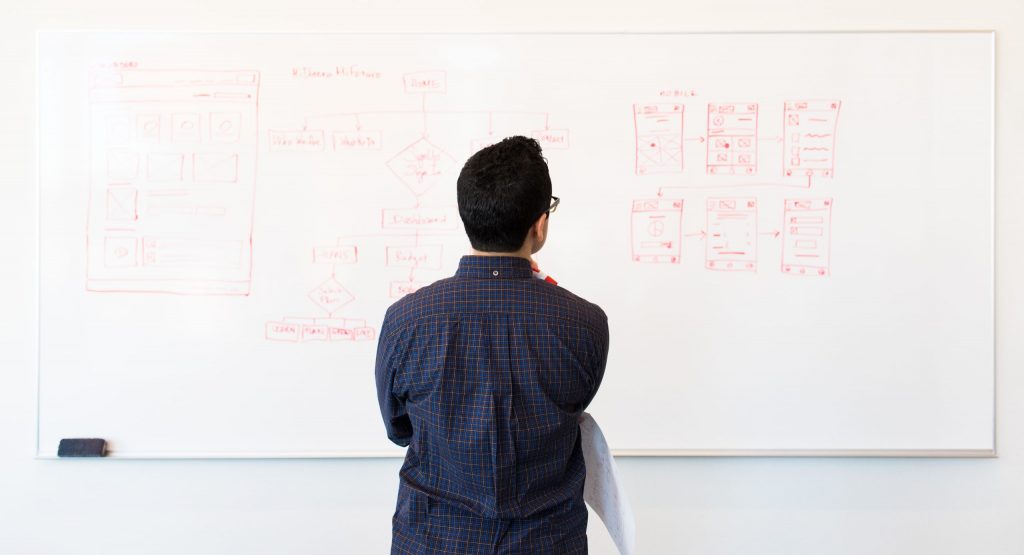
{"x": 330, "y": 295}
{"x": 421, "y": 165}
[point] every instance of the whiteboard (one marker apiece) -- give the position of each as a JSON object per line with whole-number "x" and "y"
{"x": 791, "y": 234}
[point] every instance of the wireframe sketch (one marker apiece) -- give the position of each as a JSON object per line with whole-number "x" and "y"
{"x": 656, "y": 230}
{"x": 659, "y": 138}
{"x": 807, "y": 237}
{"x": 809, "y": 137}
{"x": 731, "y": 243}
{"x": 732, "y": 139}
{"x": 171, "y": 181}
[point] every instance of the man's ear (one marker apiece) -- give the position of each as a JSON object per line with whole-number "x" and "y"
{"x": 540, "y": 227}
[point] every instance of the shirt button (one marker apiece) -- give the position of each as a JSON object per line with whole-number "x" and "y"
{"x": 494, "y": 273}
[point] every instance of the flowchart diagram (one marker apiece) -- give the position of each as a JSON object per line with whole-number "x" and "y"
{"x": 409, "y": 239}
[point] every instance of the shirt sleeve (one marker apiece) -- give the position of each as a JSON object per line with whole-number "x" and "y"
{"x": 392, "y": 408}
{"x": 598, "y": 356}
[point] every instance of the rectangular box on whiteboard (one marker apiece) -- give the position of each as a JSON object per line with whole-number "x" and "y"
{"x": 731, "y": 234}
{"x": 657, "y": 230}
{"x": 171, "y": 133}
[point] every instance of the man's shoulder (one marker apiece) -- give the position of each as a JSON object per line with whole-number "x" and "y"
{"x": 535, "y": 297}
{"x": 571, "y": 304}
{"x": 425, "y": 300}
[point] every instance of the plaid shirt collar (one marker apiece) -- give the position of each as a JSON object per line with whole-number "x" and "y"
{"x": 494, "y": 267}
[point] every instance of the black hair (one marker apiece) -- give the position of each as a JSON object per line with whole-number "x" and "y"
{"x": 502, "y": 190}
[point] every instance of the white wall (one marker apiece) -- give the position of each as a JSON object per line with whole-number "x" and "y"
{"x": 705, "y": 506}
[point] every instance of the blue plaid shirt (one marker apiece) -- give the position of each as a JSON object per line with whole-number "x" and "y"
{"x": 484, "y": 376}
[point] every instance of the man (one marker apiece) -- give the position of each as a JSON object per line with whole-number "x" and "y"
{"x": 483, "y": 376}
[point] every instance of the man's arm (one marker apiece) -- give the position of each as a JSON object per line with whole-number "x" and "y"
{"x": 598, "y": 356}
{"x": 392, "y": 409}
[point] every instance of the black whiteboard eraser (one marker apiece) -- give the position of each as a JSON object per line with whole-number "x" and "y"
{"x": 82, "y": 447}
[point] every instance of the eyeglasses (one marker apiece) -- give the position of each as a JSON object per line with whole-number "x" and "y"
{"x": 554, "y": 203}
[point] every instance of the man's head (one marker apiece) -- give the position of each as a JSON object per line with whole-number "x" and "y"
{"x": 504, "y": 194}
